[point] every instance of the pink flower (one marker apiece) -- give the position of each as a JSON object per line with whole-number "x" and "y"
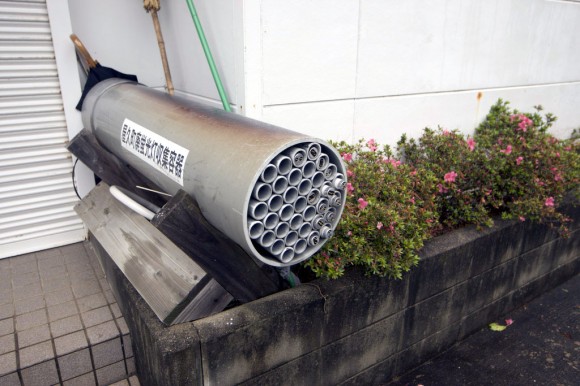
{"x": 442, "y": 189}
{"x": 509, "y": 322}
{"x": 519, "y": 160}
{"x": 349, "y": 174}
{"x": 522, "y": 218}
{"x": 413, "y": 173}
{"x": 508, "y": 150}
{"x": 349, "y": 233}
{"x": 524, "y": 123}
{"x": 549, "y": 201}
{"x": 412, "y": 200}
{"x": 372, "y": 144}
{"x": 450, "y": 177}
{"x": 379, "y": 225}
{"x": 392, "y": 162}
{"x": 446, "y": 132}
{"x": 347, "y": 157}
{"x": 471, "y": 144}
{"x": 349, "y": 188}
{"x": 362, "y": 203}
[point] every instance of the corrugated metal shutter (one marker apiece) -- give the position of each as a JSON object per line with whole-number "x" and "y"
{"x": 36, "y": 192}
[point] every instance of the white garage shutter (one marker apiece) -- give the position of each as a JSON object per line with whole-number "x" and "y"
{"x": 36, "y": 191}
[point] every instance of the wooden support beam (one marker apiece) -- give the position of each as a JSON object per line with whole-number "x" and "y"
{"x": 242, "y": 276}
{"x": 176, "y": 288}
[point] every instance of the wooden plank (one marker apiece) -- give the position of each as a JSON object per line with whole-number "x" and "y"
{"x": 182, "y": 222}
{"x": 109, "y": 167}
{"x": 167, "y": 279}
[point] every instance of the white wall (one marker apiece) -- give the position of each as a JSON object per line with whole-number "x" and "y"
{"x": 120, "y": 34}
{"x": 344, "y": 69}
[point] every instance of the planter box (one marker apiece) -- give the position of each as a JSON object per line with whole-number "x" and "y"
{"x": 358, "y": 329}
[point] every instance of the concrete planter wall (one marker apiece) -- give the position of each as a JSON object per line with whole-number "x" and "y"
{"x": 356, "y": 330}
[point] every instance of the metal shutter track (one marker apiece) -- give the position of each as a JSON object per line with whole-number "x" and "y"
{"x": 36, "y": 193}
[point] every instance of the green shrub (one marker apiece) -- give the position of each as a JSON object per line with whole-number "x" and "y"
{"x": 511, "y": 166}
{"x": 387, "y": 216}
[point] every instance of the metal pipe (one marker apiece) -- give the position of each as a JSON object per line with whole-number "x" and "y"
{"x": 300, "y": 204}
{"x": 282, "y": 230}
{"x": 296, "y": 221}
{"x": 304, "y": 230}
{"x": 322, "y": 162}
{"x": 291, "y": 238}
{"x": 275, "y": 202}
{"x": 308, "y": 169}
{"x": 304, "y": 187}
{"x": 313, "y": 196}
{"x": 208, "y": 55}
{"x": 300, "y": 246}
{"x": 262, "y": 191}
{"x": 277, "y": 247}
{"x": 290, "y": 195}
{"x": 287, "y": 255}
{"x": 255, "y": 229}
{"x": 326, "y": 232}
{"x": 285, "y": 213}
{"x": 330, "y": 172}
{"x": 294, "y": 177}
{"x": 257, "y": 210}
{"x": 217, "y": 157}
{"x": 322, "y": 205}
{"x": 339, "y": 181}
{"x": 298, "y": 156}
{"x": 314, "y": 239}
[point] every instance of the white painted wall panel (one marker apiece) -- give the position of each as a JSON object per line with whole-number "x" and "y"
{"x": 414, "y": 46}
{"x": 386, "y": 119}
{"x": 309, "y": 50}
{"x": 119, "y": 34}
{"x": 325, "y": 120}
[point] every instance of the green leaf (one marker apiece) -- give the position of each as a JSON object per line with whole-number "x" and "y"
{"x": 496, "y": 327}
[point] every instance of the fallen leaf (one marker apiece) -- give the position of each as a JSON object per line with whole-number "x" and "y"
{"x": 509, "y": 322}
{"x": 496, "y": 327}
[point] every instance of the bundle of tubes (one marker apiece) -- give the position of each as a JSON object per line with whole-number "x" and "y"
{"x": 296, "y": 202}
{"x": 277, "y": 193}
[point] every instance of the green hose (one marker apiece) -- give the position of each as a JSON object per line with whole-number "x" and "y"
{"x": 209, "y": 57}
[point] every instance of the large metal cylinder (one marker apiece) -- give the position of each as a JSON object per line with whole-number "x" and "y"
{"x": 247, "y": 176}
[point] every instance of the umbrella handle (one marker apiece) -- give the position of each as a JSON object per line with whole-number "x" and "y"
{"x": 81, "y": 49}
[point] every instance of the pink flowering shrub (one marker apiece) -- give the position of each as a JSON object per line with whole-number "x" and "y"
{"x": 532, "y": 170}
{"x": 511, "y": 166}
{"x": 389, "y": 212}
{"x": 456, "y": 163}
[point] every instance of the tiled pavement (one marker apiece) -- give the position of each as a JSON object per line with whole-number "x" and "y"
{"x": 59, "y": 322}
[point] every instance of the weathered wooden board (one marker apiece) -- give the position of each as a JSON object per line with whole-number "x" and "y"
{"x": 110, "y": 168}
{"x": 242, "y": 276}
{"x": 176, "y": 288}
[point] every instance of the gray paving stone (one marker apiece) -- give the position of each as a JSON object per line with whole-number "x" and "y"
{"x": 55, "y": 282}
{"x": 8, "y": 363}
{"x": 62, "y": 310}
{"x": 69, "y": 343}
{"x": 83, "y": 380}
{"x": 33, "y": 355}
{"x": 127, "y": 346}
{"x": 74, "y": 249}
{"x": 85, "y": 288}
{"x": 79, "y": 267}
{"x": 50, "y": 262}
{"x": 123, "y": 326}
{"x": 107, "y": 352}
{"x": 84, "y": 275}
{"x": 6, "y": 311}
{"x": 6, "y": 326}
{"x": 7, "y": 344}
{"x": 92, "y": 302}
{"x": 6, "y": 283}
{"x": 31, "y": 319}
{"x": 33, "y": 336}
{"x": 26, "y": 305}
{"x": 116, "y": 310}
{"x": 22, "y": 259}
{"x": 52, "y": 272}
{"x": 75, "y": 364}
{"x": 61, "y": 295}
{"x": 31, "y": 290}
{"x": 5, "y": 295}
{"x": 25, "y": 279}
{"x": 43, "y": 374}
{"x": 10, "y": 380}
{"x": 48, "y": 253}
{"x": 130, "y": 362}
{"x": 102, "y": 332}
{"x": 124, "y": 382}
{"x": 109, "y": 294}
{"x": 97, "y": 316}
{"x": 111, "y": 374}
{"x": 134, "y": 381}
{"x": 24, "y": 268}
{"x": 66, "y": 326}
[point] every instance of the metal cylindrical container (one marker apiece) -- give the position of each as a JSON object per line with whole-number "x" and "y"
{"x": 220, "y": 158}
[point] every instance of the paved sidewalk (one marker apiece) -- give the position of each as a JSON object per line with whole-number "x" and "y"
{"x": 59, "y": 322}
{"x": 541, "y": 347}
